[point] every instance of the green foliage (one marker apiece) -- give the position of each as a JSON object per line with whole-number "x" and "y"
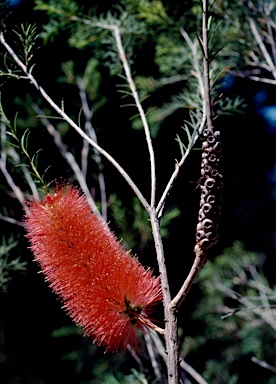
{"x": 103, "y": 370}
{"x": 60, "y": 13}
{"x": 174, "y": 56}
{"x": 8, "y": 263}
{"x": 171, "y": 56}
{"x": 236, "y": 313}
{"x": 134, "y": 378}
{"x": 27, "y": 36}
{"x": 227, "y": 106}
{"x": 21, "y": 144}
{"x": 134, "y": 224}
{"x": 89, "y": 81}
{"x": 61, "y": 7}
{"x": 153, "y": 12}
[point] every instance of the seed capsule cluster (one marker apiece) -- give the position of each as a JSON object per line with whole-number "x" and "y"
{"x": 210, "y": 187}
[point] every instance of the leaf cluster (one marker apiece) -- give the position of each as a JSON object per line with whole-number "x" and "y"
{"x": 233, "y": 315}
{"x": 20, "y": 147}
{"x": 8, "y": 263}
{"x": 27, "y": 36}
{"x": 134, "y": 228}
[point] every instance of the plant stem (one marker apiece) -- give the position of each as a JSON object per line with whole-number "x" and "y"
{"x": 171, "y": 333}
{"x": 74, "y": 125}
{"x": 207, "y": 93}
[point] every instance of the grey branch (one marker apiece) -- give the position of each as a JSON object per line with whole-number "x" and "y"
{"x": 68, "y": 157}
{"x": 75, "y": 126}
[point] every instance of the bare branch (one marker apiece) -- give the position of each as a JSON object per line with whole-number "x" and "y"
{"x": 140, "y": 109}
{"x": 261, "y": 289}
{"x": 262, "y": 46}
{"x": 11, "y": 220}
{"x": 263, "y": 364}
{"x": 28, "y": 177}
{"x": 260, "y": 79}
{"x": 3, "y": 142}
{"x": 88, "y": 113}
{"x": 16, "y": 190}
{"x": 257, "y": 310}
{"x": 179, "y": 164}
{"x": 194, "y": 48}
{"x": 183, "y": 364}
{"x": 75, "y": 126}
{"x": 152, "y": 355}
{"x": 194, "y": 374}
{"x": 199, "y": 261}
{"x": 117, "y": 35}
{"x": 271, "y": 39}
{"x": 68, "y": 157}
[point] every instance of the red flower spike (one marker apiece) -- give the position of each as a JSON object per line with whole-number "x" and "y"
{"x": 104, "y": 289}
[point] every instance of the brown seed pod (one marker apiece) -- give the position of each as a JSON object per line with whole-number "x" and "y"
{"x": 199, "y": 226}
{"x": 200, "y": 235}
{"x": 217, "y": 148}
{"x": 211, "y": 199}
{"x": 207, "y": 224}
{"x": 201, "y": 215}
{"x": 210, "y": 186}
{"x": 211, "y": 139}
{"x": 214, "y": 173}
{"x": 209, "y": 183}
{"x": 206, "y": 208}
{"x": 207, "y": 170}
{"x": 217, "y": 134}
{"x": 212, "y": 158}
{"x": 205, "y": 145}
{"x": 204, "y": 243}
{"x": 204, "y": 191}
{"x": 207, "y": 132}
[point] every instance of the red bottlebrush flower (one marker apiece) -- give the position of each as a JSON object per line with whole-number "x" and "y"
{"x": 105, "y": 290}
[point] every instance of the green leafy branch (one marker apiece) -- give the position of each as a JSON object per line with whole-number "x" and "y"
{"x": 191, "y": 130}
{"x": 21, "y": 144}
{"x": 7, "y": 264}
{"x": 27, "y": 36}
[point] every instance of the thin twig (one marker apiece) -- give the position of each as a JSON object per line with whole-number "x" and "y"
{"x": 199, "y": 261}
{"x": 262, "y": 291}
{"x": 16, "y": 190}
{"x": 3, "y": 142}
{"x": 11, "y": 220}
{"x": 270, "y": 31}
{"x": 263, "y": 364}
{"x": 192, "y": 372}
{"x": 207, "y": 92}
{"x": 75, "y": 126}
{"x": 153, "y": 359}
{"x": 11, "y": 151}
{"x": 258, "y": 310}
{"x": 194, "y": 48}
{"x": 134, "y": 92}
{"x": 179, "y": 164}
{"x": 88, "y": 113}
{"x": 117, "y": 35}
{"x": 183, "y": 364}
{"x": 171, "y": 337}
{"x": 197, "y": 132}
{"x": 68, "y": 157}
{"x": 262, "y": 46}
{"x": 248, "y": 75}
